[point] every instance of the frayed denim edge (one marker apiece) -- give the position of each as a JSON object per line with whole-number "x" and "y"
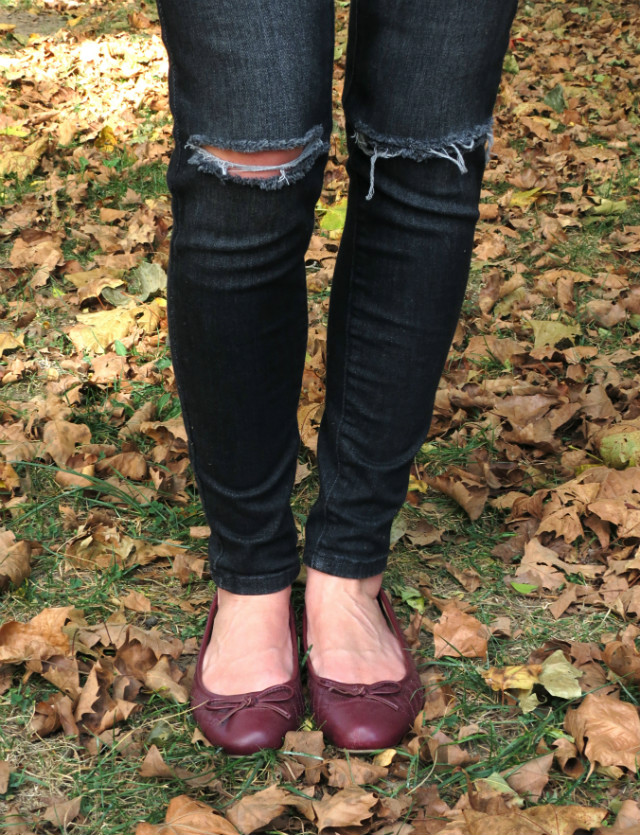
{"x": 288, "y": 172}
{"x": 452, "y": 147}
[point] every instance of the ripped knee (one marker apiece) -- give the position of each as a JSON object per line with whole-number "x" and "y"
{"x": 453, "y": 147}
{"x": 258, "y": 164}
{"x": 269, "y": 165}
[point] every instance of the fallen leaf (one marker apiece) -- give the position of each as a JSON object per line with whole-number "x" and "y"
{"x": 516, "y": 677}
{"x": 15, "y": 560}
{"x": 623, "y": 659}
{"x": 61, "y": 814}
{"x": 539, "y": 820}
{"x": 160, "y": 678}
{"x": 568, "y": 759}
{"x": 530, "y": 778}
{"x": 40, "y": 638}
{"x": 5, "y": 773}
{"x": 606, "y": 730}
{"x": 137, "y": 602}
{"x": 253, "y": 811}
{"x": 459, "y": 634}
{"x": 188, "y": 817}
{"x": 23, "y": 163}
{"x": 354, "y": 771}
{"x": 464, "y": 488}
{"x": 627, "y": 820}
{"x": 347, "y": 807}
{"x": 551, "y": 332}
{"x": 559, "y": 677}
{"x": 306, "y": 748}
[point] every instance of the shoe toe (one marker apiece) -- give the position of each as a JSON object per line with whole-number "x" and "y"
{"x": 360, "y": 725}
{"x": 247, "y": 732}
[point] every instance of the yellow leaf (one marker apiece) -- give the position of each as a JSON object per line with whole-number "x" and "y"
{"x": 8, "y": 342}
{"x": 106, "y": 140}
{"x": 96, "y": 331}
{"x": 417, "y": 484}
{"x": 23, "y": 163}
{"x": 559, "y": 677}
{"x": 517, "y": 677}
{"x": 549, "y": 332}
{"x": 385, "y": 758}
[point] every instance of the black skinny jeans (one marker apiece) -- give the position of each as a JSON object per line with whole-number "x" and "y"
{"x": 245, "y": 75}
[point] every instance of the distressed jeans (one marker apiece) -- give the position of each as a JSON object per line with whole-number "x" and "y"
{"x": 248, "y": 75}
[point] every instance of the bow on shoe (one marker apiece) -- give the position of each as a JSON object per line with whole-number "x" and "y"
{"x": 267, "y": 699}
{"x": 376, "y": 692}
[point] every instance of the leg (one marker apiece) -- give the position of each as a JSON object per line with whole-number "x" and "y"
{"x": 252, "y": 117}
{"x": 422, "y": 79}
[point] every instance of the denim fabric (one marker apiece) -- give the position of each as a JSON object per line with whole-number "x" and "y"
{"x": 422, "y": 77}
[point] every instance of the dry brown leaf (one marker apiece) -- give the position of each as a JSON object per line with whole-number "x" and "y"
{"x": 23, "y": 163}
{"x": 61, "y": 813}
{"x": 9, "y": 342}
{"x": 423, "y": 533}
{"x": 627, "y": 820}
{"x": 459, "y": 634}
{"x": 606, "y": 730}
{"x": 60, "y": 438}
{"x": 539, "y": 820}
{"x": 439, "y": 697}
{"x": 468, "y": 578}
{"x": 347, "y": 807}
{"x": 530, "y": 778}
{"x": 15, "y": 560}
{"x": 153, "y": 765}
{"x": 161, "y": 679}
{"x": 354, "y": 771}
{"x": 126, "y": 464}
{"x": 464, "y": 488}
{"x": 187, "y": 567}
{"x": 493, "y": 796}
{"x": 188, "y": 817}
{"x": 623, "y": 659}
{"x": 5, "y": 772}
{"x": 568, "y": 758}
{"x": 136, "y": 601}
{"x": 39, "y": 639}
{"x": 442, "y": 749}
{"x": 49, "y": 715}
{"x": 306, "y": 748}
{"x": 254, "y": 811}
{"x": 61, "y": 671}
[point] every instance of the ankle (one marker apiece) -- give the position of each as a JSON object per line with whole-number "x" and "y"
{"x": 323, "y": 587}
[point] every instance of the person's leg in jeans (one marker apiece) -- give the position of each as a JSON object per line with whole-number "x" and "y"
{"x": 422, "y": 78}
{"x": 250, "y": 87}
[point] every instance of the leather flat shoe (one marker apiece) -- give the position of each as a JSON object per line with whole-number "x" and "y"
{"x": 247, "y": 722}
{"x": 364, "y": 717}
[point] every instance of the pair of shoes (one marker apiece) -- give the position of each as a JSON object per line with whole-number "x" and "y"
{"x": 365, "y": 717}
{"x": 247, "y": 722}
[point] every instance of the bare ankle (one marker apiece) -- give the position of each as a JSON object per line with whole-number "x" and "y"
{"x": 321, "y": 585}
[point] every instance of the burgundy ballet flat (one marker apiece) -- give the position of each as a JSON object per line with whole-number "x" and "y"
{"x": 365, "y": 717}
{"x": 247, "y": 722}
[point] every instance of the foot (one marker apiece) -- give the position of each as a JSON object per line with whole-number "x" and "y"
{"x": 348, "y": 635}
{"x": 250, "y": 647}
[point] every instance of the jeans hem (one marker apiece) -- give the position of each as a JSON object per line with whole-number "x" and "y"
{"x": 257, "y": 584}
{"x": 340, "y": 566}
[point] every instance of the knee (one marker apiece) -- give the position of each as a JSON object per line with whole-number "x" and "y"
{"x": 256, "y": 165}
{"x": 269, "y": 165}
